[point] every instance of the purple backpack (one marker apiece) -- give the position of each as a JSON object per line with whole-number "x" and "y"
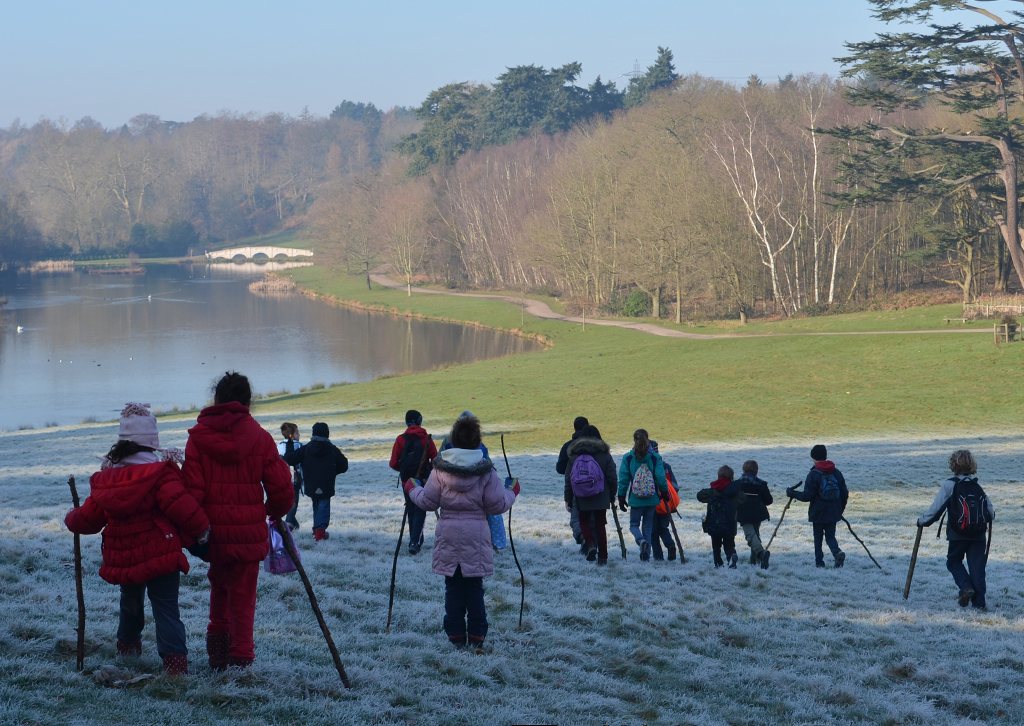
{"x": 586, "y": 477}
{"x": 278, "y": 561}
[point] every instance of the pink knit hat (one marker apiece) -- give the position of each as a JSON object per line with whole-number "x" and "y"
{"x": 139, "y": 425}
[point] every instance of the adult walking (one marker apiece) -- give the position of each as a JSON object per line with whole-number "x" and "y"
{"x": 406, "y": 458}
{"x": 230, "y": 461}
{"x": 562, "y": 466}
{"x": 641, "y": 486}
{"x": 321, "y": 463}
{"x": 590, "y": 486}
{"x": 466, "y": 488}
{"x": 826, "y": 493}
{"x": 970, "y": 513}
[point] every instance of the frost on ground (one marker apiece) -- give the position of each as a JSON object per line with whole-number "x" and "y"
{"x": 634, "y": 643}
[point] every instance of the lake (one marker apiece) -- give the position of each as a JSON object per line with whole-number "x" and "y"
{"x": 89, "y": 343}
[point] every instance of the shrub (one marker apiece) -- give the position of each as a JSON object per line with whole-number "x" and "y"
{"x": 637, "y": 305}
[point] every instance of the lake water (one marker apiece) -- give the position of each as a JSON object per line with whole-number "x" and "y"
{"x": 89, "y": 343}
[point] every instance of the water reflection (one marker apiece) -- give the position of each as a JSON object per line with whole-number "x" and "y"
{"x": 89, "y": 343}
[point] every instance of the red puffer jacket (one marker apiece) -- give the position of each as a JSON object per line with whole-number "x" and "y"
{"x": 142, "y": 507}
{"x": 227, "y": 457}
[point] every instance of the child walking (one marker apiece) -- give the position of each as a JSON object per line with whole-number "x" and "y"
{"x": 230, "y": 460}
{"x": 970, "y": 513}
{"x": 321, "y": 463}
{"x": 139, "y": 502}
{"x": 642, "y": 477}
{"x": 752, "y": 509}
{"x": 662, "y": 534}
{"x": 825, "y": 491}
{"x": 406, "y": 455}
{"x": 465, "y": 486}
{"x": 290, "y": 432}
{"x": 720, "y": 519}
{"x": 590, "y": 485}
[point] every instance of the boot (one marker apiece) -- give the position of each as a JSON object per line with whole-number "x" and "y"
{"x": 840, "y": 559}
{"x": 671, "y": 553}
{"x": 129, "y": 649}
{"x": 966, "y": 595}
{"x": 236, "y": 662}
{"x": 319, "y": 535}
{"x": 217, "y": 645}
{"x": 176, "y": 664}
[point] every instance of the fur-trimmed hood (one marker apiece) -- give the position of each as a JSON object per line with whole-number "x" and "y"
{"x": 463, "y": 463}
{"x": 588, "y": 446}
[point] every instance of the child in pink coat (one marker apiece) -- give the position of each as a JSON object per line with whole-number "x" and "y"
{"x": 466, "y": 488}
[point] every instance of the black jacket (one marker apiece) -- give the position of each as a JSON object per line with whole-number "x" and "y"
{"x": 563, "y": 455}
{"x": 321, "y": 461}
{"x": 754, "y": 500}
{"x": 731, "y": 492}
{"x": 821, "y": 511}
{"x": 602, "y": 455}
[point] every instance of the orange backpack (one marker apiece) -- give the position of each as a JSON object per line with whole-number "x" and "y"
{"x": 673, "y": 498}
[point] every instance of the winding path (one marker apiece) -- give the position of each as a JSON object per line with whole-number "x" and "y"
{"x": 543, "y": 310}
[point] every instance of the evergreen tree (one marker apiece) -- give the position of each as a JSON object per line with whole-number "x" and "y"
{"x": 366, "y": 113}
{"x": 451, "y": 117}
{"x": 660, "y": 75}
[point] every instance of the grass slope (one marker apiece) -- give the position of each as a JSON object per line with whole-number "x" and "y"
{"x": 685, "y": 390}
{"x": 633, "y": 643}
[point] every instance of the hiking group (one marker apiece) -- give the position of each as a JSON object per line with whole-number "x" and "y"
{"x": 216, "y": 497}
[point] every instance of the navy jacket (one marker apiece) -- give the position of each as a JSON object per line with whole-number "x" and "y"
{"x": 821, "y": 511}
{"x": 753, "y": 500}
{"x": 563, "y": 456}
{"x": 321, "y": 462}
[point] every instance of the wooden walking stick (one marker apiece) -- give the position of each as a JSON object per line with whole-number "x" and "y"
{"x": 989, "y": 545}
{"x": 286, "y": 537}
{"x": 679, "y": 544}
{"x": 913, "y": 562}
{"x": 522, "y": 577}
{"x": 861, "y": 542}
{"x": 401, "y": 534}
{"x": 779, "y": 523}
{"x": 80, "y": 661}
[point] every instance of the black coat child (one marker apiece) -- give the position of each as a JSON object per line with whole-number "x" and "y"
{"x": 602, "y": 455}
{"x": 822, "y": 511}
{"x": 752, "y": 503}
{"x": 321, "y": 462}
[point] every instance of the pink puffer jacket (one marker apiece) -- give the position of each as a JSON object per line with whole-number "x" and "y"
{"x": 465, "y": 487}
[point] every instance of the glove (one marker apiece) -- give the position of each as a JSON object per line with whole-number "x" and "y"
{"x": 622, "y": 504}
{"x": 204, "y": 538}
{"x": 200, "y": 550}
{"x": 790, "y": 492}
{"x": 513, "y": 484}
{"x": 411, "y": 484}
{"x": 664, "y": 497}
{"x": 568, "y": 508}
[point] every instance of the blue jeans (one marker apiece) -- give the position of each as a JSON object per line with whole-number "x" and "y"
{"x": 416, "y": 519}
{"x": 974, "y": 550}
{"x": 321, "y": 512}
{"x": 462, "y": 596}
{"x": 163, "y": 598}
{"x": 828, "y": 532}
{"x": 641, "y": 523}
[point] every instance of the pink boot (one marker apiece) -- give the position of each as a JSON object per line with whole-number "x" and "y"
{"x": 176, "y": 664}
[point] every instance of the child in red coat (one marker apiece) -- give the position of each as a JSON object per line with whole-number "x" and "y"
{"x": 229, "y": 461}
{"x": 139, "y": 501}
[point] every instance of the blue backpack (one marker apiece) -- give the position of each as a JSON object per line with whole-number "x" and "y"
{"x": 720, "y": 517}
{"x": 829, "y": 490}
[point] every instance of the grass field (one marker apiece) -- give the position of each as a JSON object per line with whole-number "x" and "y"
{"x": 777, "y": 388}
{"x": 656, "y": 644}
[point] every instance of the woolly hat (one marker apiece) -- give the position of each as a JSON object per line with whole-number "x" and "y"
{"x": 580, "y": 423}
{"x": 653, "y": 444}
{"x": 466, "y": 414}
{"x": 413, "y": 417}
{"x": 320, "y": 429}
{"x": 818, "y": 453}
{"x": 139, "y": 425}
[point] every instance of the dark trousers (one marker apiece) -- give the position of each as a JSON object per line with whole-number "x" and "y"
{"x": 974, "y": 550}
{"x": 718, "y": 541}
{"x": 828, "y": 532}
{"x": 163, "y": 598}
{"x": 598, "y": 534}
{"x": 321, "y": 512}
{"x": 290, "y": 517}
{"x": 416, "y": 519}
{"x": 464, "y": 596}
{"x": 662, "y": 534}
{"x": 574, "y": 522}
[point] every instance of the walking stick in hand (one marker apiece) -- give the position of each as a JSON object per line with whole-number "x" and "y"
{"x": 289, "y": 545}
{"x": 913, "y": 562}
{"x": 522, "y": 578}
{"x": 779, "y": 523}
{"x": 401, "y": 534}
{"x": 618, "y": 528}
{"x": 861, "y": 542}
{"x": 80, "y": 661}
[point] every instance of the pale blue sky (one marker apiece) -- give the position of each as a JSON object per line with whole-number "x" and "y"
{"x": 112, "y": 60}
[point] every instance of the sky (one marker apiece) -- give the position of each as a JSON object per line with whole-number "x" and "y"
{"x": 177, "y": 60}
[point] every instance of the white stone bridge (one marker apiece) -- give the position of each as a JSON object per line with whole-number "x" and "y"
{"x": 256, "y": 252}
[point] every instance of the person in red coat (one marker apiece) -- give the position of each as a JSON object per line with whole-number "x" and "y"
{"x": 406, "y": 455}
{"x": 139, "y": 502}
{"x": 229, "y": 461}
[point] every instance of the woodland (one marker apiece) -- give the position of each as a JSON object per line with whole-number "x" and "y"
{"x": 678, "y": 196}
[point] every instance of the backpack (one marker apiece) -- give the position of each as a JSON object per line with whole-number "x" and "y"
{"x": 278, "y": 561}
{"x": 829, "y": 490}
{"x": 673, "y": 497}
{"x": 409, "y": 461}
{"x": 586, "y": 477}
{"x": 643, "y": 483}
{"x": 968, "y": 508}
{"x": 720, "y": 517}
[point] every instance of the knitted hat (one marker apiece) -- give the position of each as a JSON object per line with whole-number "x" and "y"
{"x": 818, "y": 453}
{"x": 413, "y": 418}
{"x": 320, "y": 429}
{"x": 139, "y": 425}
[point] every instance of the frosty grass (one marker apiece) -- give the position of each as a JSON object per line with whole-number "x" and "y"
{"x": 633, "y": 643}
